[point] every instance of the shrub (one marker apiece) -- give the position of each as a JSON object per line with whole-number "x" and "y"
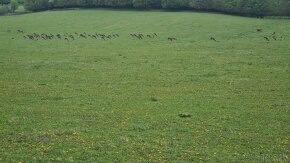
{"x": 4, "y": 2}
{"x": 4, "y": 9}
{"x": 13, "y": 5}
{"x": 145, "y": 4}
{"x": 36, "y": 5}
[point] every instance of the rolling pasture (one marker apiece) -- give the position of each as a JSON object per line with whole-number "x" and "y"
{"x": 202, "y": 87}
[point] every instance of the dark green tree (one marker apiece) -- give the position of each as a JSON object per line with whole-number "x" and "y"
{"x": 13, "y": 5}
{"x": 175, "y": 4}
{"x": 4, "y": 2}
{"x": 36, "y": 5}
{"x": 146, "y": 4}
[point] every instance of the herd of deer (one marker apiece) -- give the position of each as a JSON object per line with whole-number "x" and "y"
{"x": 273, "y": 36}
{"x": 69, "y": 37}
{"x": 84, "y": 35}
{"x": 139, "y": 36}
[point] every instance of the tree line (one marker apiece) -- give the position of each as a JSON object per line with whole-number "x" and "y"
{"x": 8, "y": 6}
{"x": 258, "y": 8}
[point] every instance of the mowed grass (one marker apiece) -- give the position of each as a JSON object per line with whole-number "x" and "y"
{"x": 149, "y": 100}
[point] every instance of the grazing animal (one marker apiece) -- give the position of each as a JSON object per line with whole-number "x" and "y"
{"x": 115, "y": 35}
{"x": 36, "y": 35}
{"x": 51, "y": 36}
{"x": 58, "y": 36}
{"x": 259, "y": 30}
{"x": 30, "y": 37}
{"x": 212, "y": 38}
{"x": 265, "y": 37}
{"x": 81, "y": 35}
{"x": 140, "y": 36}
{"x": 72, "y": 37}
{"x": 172, "y": 39}
{"x": 273, "y": 33}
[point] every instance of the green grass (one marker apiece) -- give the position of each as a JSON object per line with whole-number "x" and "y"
{"x": 144, "y": 100}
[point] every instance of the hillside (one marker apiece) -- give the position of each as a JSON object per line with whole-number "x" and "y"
{"x": 85, "y": 85}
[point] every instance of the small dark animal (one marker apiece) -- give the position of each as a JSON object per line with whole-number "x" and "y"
{"x": 81, "y": 35}
{"x": 184, "y": 115}
{"x": 265, "y": 37}
{"x": 154, "y": 99}
{"x": 30, "y": 37}
{"x": 273, "y": 33}
{"x": 172, "y": 39}
{"x": 36, "y": 35}
{"x": 259, "y": 30}
{"x": 58, "y": 36}
{"x": 140, "y": 36}
{"x": 212, "y": 38}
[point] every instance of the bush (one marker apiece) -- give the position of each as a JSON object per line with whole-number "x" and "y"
{"x": 4, "y": 9}
{"x": 146, "y": 4}
{"x": 36, "y": 5}
{"x": 64, "y": 3}
{"x": 20, "y": 2}
{"x": 175, "y": 4}
{"x": 4, "y": 2}
{"x": 119, "y": 3}
{"x": 13, "y": 5}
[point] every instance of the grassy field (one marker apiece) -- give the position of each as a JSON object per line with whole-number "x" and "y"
{"x": 144, "y": 100}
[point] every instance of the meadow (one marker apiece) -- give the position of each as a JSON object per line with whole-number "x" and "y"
{"x": 220, "y": 92}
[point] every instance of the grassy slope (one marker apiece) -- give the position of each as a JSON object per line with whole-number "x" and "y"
{"x": 89, "y": 100}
